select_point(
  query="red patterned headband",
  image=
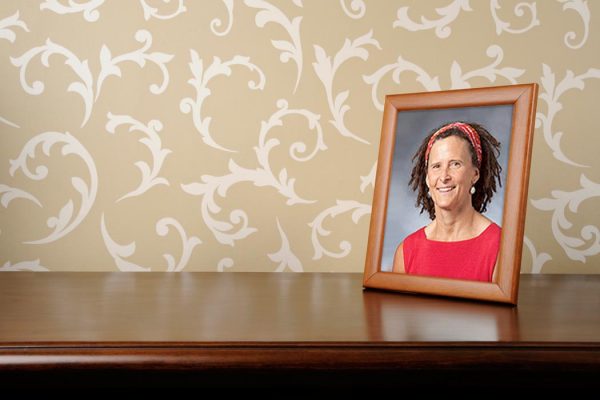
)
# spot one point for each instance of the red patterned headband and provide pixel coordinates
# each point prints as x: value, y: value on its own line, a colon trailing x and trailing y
x: 466, y: 129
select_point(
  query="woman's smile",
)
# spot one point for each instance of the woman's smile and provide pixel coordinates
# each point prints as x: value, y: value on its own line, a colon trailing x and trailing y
x: 446, y: 189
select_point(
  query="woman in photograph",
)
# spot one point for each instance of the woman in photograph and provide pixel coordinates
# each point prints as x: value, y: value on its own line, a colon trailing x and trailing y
x: 455, y: 173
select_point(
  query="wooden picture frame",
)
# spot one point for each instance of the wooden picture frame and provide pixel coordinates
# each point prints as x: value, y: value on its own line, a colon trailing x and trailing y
x: 509, y: 108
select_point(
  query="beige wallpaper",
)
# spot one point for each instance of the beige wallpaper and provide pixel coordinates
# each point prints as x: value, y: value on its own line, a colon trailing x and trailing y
x: 222, y: 135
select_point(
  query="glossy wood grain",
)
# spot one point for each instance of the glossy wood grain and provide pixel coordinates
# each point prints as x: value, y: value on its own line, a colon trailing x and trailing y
x: 226, y: 326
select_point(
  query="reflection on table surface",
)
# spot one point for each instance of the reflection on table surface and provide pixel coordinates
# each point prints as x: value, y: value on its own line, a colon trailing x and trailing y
x: 411, y: 318
x: 551, y: 308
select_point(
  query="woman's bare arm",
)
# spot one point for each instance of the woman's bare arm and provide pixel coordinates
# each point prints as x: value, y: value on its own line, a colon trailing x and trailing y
x: 495, y: 273
x: 399, y: 260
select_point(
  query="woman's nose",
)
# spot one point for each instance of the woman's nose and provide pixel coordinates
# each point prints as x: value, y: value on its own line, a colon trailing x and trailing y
x: 445, y: 174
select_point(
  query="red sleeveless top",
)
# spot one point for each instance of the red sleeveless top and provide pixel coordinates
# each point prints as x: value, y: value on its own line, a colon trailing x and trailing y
x: 472, y: 259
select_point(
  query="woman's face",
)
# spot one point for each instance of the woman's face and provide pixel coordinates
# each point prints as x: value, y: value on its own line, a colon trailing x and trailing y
x: 451, y: 174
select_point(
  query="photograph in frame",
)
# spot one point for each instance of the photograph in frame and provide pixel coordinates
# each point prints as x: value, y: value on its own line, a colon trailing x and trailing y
x: 498, y: 120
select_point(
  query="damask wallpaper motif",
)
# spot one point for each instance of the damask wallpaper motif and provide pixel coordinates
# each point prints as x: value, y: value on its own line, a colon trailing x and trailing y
x: 223, y: 135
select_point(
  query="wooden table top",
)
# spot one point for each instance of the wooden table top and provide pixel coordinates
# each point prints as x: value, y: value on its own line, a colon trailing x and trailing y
x: 207, y: 321
x: 267, y: 307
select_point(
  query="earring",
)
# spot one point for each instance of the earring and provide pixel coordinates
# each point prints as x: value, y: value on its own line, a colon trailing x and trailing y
x: 472, y: 190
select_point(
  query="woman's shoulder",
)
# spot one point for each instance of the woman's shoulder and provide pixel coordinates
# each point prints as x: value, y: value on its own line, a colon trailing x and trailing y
x: 417, y: 235
x: 493, y: 229
x: 494, y: 226
x: 487, y: 226
x: 491, y: 235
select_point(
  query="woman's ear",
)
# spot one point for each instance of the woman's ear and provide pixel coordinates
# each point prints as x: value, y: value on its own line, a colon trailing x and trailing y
x: 476, y: 177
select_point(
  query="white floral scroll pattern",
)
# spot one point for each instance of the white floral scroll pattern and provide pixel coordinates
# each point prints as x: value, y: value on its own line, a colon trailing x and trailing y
x: 120, y: 252
x: 224, y: 263
x: 8, y: 194
x: 342, y: 206
x: 538, y: 260
x: 200, y: 81
x: 7, y: 34
x: 289, y: 50
x: 81, y: 68
x: 24, y: 266
x: 503, y: 26
x: 581, y: 8
x: 576, y: 248
x: 139, y: 56
x: 551, y: 92
x: 459, y: 80
x: 369, y: 179
x: 188, y: 244
x: 108, y: 67
x: 65, y: 222
x: 401, y: 65
x: 237, y: 228
x: 490, y: 72
x: 447, y: 15
x: 90, y: 13
x: 153, y: 12
x: 326, y: 69
x: 216, y: 23
x: 285, y: 257
x: 9, y: 123
x: 12, y: 21
x: 150, y: 176
x: 297, y: 149
x: 357, y: 8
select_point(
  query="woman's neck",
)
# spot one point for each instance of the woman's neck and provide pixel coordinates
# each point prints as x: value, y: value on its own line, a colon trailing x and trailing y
x: 450, y: 226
